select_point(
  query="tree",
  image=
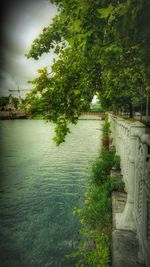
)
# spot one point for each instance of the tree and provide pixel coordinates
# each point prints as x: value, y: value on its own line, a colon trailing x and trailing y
x: 4, y: 100
x: 102, y: 47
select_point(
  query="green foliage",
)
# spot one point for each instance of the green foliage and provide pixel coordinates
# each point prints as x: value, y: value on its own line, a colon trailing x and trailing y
x: 97, y: 205
x: 102, y: 49
x: 4, y: 100
x: 15, y: 102
x: 96, y: 108
x: 94, y: 252
x: 61, y: 131
x: 95, y: 215
x: 106, y: 131
x: 106, y: 127
x: 102, y: 166
x: 117, y: 162
x: 117, y: 184
x: 106, y: 12
x: 36, y: 116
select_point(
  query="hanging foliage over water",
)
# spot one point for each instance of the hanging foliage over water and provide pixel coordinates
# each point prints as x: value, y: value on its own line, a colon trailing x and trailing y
x: 102, y: 49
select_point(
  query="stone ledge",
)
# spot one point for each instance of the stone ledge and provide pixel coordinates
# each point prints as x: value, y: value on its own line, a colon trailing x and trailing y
x: 124, y: 249
x: 118, y: 204
x: 125, y: 246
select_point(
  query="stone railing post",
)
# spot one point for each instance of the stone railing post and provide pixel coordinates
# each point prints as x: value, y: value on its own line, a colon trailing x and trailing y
x: 142, y: 197
x: 133, y: 146
x: 126, y: 220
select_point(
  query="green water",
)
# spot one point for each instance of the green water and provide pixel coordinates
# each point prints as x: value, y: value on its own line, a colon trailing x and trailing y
x: 40, y: 186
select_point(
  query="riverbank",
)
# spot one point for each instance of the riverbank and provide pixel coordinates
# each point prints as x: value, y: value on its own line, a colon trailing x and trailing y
x: 9, y: 115
x: 96, y: 214
x: 5, y: 115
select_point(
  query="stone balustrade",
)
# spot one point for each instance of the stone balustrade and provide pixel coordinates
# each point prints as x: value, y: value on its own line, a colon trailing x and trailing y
x: 133, y: 146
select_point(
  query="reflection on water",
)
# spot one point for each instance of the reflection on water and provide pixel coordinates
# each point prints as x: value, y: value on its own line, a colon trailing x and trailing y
x: 40, y: 186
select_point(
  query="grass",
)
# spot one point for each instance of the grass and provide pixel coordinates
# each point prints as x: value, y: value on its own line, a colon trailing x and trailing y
x: 95, y: 216
x: 37, y: 117
x: 132, y: 119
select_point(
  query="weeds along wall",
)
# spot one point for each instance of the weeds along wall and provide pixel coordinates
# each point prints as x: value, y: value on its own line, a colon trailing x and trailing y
x: 133, y: 146
x: 96, y: 213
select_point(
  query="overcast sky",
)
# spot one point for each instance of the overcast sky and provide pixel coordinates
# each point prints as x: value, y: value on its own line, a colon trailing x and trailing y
x: 22, y: 21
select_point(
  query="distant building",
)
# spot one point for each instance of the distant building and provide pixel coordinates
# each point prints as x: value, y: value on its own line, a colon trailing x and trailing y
x: 11, y: 104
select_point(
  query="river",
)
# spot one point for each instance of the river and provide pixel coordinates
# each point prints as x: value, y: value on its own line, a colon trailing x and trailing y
x: 40, y: 186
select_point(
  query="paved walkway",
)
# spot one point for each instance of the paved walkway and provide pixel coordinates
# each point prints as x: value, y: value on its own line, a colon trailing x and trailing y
x: 124, y: 243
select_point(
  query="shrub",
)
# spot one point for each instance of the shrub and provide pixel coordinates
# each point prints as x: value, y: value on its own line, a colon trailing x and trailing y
x: 102, y: 166
x: 117, y: 162
x: 106, y: 131
x: 95, y: 215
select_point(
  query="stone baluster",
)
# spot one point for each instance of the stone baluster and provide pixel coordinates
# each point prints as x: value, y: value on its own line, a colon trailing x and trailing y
x: 126, y: 220
x: 133, y: 147
x: 142, y: 197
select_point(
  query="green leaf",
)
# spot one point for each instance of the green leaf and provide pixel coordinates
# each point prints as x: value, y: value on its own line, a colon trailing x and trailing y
x: 105, y: 12
x: 76, y: 92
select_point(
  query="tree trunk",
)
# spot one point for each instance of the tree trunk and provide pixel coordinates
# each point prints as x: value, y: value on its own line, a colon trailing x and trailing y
x: 131, y: 110
x: 141, y: 111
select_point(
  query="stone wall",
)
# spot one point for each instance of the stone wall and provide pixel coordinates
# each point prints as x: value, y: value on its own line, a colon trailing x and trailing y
x: 132, y: 144
x: 17, y: 114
